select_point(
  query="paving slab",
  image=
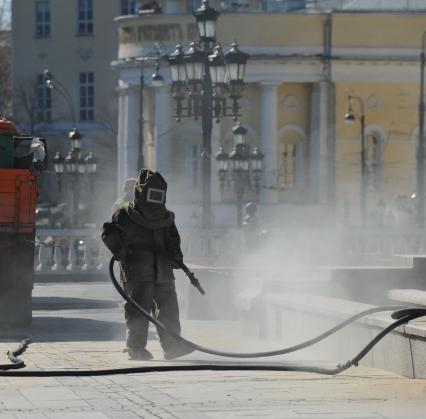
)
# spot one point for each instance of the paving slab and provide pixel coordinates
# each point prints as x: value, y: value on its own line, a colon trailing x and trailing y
x: 358, y: 393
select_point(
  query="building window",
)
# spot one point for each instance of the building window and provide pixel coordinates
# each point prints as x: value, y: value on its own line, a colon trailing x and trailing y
x: 42, y: 18
x: 286, y: 177
x: 290, y: 162
x: 374, y: 162
x: 85, y: 17
x: 44, y: 100
x: 128, y: 7
x: 87, y: 96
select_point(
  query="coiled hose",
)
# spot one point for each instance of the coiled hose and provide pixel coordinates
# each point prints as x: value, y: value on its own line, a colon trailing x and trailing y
x: 402, y: 315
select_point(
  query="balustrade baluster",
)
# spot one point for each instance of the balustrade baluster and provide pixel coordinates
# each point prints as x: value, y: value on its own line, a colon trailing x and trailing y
x: 72, y: 256
x: 37, y: 257
x: 57, y: 255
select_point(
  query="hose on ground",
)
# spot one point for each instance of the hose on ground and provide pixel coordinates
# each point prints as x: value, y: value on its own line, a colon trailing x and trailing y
x: 210, y: 351
x: 16, y: 363
x: 220, y: 367
x: 402, y: 315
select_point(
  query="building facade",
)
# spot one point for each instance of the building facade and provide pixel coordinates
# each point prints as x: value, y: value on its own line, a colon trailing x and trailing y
x: 306, y: 58
x: 76, y: 41
x: 304, y: 65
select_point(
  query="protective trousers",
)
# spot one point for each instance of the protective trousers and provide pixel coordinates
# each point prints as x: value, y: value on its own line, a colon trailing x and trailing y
x: 159, y: 298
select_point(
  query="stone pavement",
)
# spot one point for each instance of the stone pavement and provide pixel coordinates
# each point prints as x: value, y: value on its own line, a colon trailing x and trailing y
x: 80, y: 326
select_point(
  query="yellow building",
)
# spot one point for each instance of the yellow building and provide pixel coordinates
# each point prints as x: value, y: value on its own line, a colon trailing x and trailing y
x: 306, y: 58
x: 302, y: 69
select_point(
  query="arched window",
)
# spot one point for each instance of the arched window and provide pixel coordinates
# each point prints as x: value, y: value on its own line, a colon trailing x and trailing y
x: 290, y: 171
x: 374, y: 161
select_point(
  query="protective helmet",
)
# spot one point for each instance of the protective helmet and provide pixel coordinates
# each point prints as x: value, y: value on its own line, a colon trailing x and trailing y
x: 150, y: 194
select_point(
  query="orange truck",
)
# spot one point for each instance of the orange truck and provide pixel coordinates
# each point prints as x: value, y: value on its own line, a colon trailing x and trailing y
x: 18, y: 198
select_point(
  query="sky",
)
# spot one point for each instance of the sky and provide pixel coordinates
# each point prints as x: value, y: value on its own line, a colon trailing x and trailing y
x: 6, y: 6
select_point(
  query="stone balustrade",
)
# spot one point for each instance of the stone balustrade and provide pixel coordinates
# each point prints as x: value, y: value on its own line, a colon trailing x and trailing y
x: 81, y: 251
x: 69, y: 251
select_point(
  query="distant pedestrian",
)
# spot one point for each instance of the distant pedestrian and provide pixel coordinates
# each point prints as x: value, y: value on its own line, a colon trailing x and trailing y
x: 251, y: 229
x: 128, y: 193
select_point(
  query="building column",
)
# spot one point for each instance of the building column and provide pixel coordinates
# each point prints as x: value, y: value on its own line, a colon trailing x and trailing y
x: 269, y: 140
x: 163, y: 130
x: 121, y: 134
x: 319, y: 143
x: 128, y: 134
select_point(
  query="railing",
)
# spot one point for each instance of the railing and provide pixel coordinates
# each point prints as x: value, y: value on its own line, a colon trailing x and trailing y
x: 396, y: 5
x: 383, y: 243
x: 69, y: 251
x: 284, y: 6
x: 82, y: 252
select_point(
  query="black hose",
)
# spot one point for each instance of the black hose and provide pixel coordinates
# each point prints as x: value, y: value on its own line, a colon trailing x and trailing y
x: 403, y: 316
x: 218, y: 367
x: 16, y: 363
x: 277, y: 352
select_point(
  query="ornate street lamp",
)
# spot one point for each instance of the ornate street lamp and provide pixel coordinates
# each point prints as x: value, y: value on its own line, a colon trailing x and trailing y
x: 206, y: 18
x: 240, y: 159
x: 256, y: 159
x: 70, y: 163
x: 76, y: 139
x: 74, y: 166
x: 241, y: 168
x: 59, y: 168
x: 53, y: 83
x: 81, y: 165
x: 350, y: 119
x: 239, y: 132
x: 58, y: 163
x: 91, y: 163
x: 157, y: 79
x: 202, y: 78
x: 236, y: 62
x: 222, y: 160
x: 91, y: 167
x: 420, y: 186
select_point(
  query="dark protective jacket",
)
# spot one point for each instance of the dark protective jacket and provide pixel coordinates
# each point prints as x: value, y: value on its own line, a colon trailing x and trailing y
x: 147, y: 224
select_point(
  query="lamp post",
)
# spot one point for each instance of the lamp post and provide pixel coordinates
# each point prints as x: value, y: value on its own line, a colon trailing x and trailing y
x: 241, y: 167
x: 420, y: 195
x: 74, y: 166
x: 350, y: 119
x: 202, y: 77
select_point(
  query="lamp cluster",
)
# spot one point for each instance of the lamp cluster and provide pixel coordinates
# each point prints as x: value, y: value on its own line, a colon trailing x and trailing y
x: 242, y: 164
x: 74, y: 163
x: 205, y: 69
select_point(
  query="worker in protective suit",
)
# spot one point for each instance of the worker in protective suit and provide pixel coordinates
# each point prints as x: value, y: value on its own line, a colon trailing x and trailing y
x: 128, y: 188
x: 148, y: 276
